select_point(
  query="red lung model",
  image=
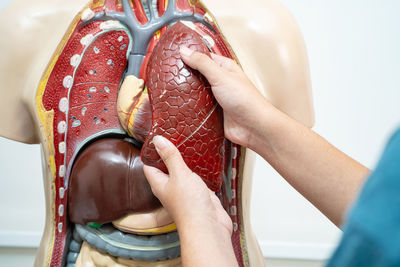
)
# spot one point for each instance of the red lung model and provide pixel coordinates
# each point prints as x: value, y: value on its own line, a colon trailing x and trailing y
x: 183, y: 108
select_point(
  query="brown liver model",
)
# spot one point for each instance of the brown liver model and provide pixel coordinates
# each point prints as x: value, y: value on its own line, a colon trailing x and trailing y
x: 107, y: 182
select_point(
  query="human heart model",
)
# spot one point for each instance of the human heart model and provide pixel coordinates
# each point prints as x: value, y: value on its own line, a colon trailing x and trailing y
x: 116, y: 81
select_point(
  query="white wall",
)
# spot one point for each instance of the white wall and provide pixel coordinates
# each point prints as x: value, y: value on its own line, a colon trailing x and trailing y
x: 355, y: 63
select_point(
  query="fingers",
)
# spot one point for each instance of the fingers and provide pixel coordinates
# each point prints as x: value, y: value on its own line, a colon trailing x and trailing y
x: 170, y: 155
x: 201, y: 62
x: 157, y: 180
x: 223, y: 217
x: 226, y: 63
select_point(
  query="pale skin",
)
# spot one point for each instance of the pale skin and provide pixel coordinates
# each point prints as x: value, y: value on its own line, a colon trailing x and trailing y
x: 327, y: 177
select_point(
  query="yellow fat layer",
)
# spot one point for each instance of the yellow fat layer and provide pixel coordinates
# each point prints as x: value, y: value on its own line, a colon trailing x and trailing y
x: 152, y: 231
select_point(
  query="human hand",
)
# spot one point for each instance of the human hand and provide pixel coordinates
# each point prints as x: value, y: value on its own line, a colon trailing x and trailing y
x: 183, y: 193
x: 240, y: 100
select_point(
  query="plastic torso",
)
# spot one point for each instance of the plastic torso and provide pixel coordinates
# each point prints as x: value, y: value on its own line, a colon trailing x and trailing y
x: 236, y: 22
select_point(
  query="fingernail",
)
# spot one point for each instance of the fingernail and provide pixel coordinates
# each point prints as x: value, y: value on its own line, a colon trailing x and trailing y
x: 159, y: 142
x: 185, y: 51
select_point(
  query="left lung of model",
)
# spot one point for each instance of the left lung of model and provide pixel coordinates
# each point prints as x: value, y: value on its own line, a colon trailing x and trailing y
x: 183, y: 108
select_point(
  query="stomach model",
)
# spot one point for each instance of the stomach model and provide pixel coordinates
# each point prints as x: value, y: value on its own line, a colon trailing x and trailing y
x: 116, y: 81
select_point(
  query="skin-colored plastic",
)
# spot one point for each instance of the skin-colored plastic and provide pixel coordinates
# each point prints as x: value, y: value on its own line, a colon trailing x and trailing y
x: 90, y: 256
x: 262, y: 33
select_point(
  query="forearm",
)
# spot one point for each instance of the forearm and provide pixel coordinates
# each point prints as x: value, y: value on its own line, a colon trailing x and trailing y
x: 323, y: 174
x: 205, y: 244
x: 327, y: 177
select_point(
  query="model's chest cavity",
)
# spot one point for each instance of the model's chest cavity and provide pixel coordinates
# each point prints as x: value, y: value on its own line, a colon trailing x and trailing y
x: 172, y: 100
x: 117, y: 82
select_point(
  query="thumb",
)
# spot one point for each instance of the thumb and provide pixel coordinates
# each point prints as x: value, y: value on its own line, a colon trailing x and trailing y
x: 170, y: 155
x: 203, y: 63
x: 157, y: 180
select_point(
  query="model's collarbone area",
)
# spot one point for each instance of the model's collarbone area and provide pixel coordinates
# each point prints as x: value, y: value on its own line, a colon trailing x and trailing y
x: 118, y: 82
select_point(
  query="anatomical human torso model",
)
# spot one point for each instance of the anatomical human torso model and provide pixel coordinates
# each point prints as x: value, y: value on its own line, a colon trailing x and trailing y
x: 116, y: 80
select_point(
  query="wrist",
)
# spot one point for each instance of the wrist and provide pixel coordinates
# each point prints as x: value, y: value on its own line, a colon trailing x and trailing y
x: 186, y: 226
x: 262, y: 126
x: 201, y: 237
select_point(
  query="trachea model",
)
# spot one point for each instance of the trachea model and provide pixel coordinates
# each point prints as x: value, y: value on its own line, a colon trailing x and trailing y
x: 115, y: 82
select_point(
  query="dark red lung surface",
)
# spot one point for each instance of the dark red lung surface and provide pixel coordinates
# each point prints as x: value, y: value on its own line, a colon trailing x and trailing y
x: 183, y: 107
x: 107, y: 182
